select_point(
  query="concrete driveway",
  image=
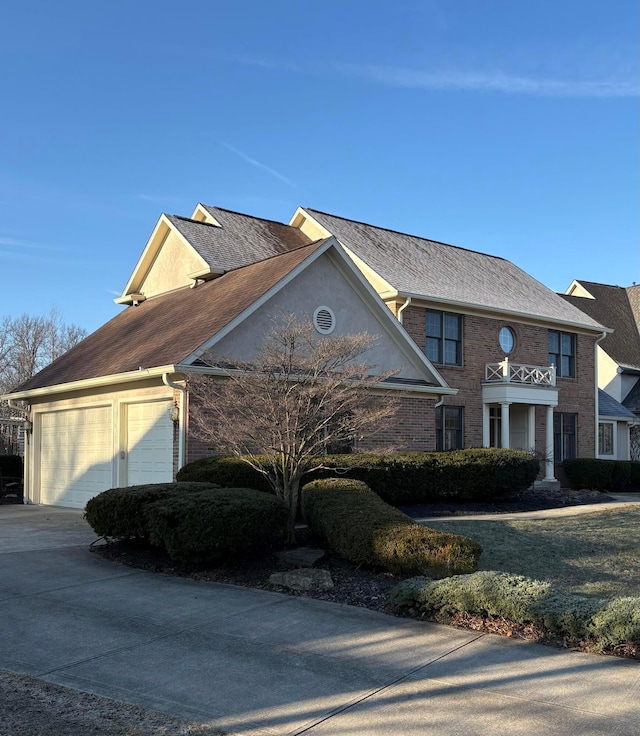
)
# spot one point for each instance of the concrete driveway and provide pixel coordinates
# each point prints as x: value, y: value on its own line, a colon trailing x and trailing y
x: 255, y: 662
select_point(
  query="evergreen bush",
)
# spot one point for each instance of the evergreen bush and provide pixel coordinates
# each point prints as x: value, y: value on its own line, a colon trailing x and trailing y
x: 358, y: 525
x: 215, y: 525
x: 119, y: 513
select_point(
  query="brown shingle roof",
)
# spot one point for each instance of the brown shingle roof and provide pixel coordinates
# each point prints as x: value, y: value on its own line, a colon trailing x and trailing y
x: 166, y: 329
x: 612, y: 308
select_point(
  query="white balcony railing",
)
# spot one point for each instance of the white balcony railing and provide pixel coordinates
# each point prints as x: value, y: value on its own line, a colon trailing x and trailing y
x: 507, y: 372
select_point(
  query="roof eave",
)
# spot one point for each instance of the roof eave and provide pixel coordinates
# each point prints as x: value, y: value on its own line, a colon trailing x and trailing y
x: 87, y: 383
x: 595, y: 328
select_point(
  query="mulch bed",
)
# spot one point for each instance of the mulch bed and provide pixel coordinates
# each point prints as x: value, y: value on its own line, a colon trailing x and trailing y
x: 358, y: 586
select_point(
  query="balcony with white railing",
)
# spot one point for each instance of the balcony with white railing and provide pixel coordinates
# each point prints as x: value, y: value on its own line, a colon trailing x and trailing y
x: 531, y: 375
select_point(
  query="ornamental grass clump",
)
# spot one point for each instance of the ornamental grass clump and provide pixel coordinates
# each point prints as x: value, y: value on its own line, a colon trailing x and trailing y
x: 356, y: 524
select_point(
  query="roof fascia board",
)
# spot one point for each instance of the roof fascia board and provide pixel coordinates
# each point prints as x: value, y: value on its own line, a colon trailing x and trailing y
x: 493, y: 312
x: 158, y: 238
x: 202, y: 214
x: 301, y: 215
x: 87, y: 383
x: 576, y: 285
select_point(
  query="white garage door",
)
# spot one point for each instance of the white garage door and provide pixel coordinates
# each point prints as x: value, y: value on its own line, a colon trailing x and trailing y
x: 76, y: 455
x: 149, y: 443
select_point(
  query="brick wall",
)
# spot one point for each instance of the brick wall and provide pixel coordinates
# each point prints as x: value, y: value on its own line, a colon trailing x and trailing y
x: 414, y: 426
x: 480, y: 346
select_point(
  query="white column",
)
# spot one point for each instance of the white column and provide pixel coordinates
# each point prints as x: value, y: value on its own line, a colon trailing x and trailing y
x: 486, y: 434
x: 548, y: 450
x: 531, y: 431
x: 504, y: 421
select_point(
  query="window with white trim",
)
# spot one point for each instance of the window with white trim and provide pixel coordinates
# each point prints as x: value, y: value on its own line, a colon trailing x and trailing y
x: 606, y: 444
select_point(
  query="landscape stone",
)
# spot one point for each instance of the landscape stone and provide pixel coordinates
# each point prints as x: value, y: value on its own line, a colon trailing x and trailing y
x: 305, y: 578
x: 301, y: 556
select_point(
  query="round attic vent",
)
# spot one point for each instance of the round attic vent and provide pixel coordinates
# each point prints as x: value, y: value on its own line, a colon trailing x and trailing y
x: 324, y: 320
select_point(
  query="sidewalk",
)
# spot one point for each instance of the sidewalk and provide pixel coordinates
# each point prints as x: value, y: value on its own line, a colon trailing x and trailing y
x: 256, y: 662
x: 621, y: 501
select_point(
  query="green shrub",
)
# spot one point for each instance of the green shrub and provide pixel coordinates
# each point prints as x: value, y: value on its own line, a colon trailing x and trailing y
x: 215, y: 525
x: 119, y: 512
x: 617, y: 623
x: 225, y: 471
x: 604, y: 624
x: 11, y: 466
x: 399, y: 478
x: 423, y: 477
x: 602, y: 475
x: 359, y: 526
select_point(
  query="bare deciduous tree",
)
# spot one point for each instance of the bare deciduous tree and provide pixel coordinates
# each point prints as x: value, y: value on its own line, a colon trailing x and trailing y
x: 29, y: 343
x: 299, y: 395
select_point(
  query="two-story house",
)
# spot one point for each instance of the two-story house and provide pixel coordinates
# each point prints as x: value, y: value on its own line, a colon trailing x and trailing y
x: 618, y: 364
x: 485, y: 354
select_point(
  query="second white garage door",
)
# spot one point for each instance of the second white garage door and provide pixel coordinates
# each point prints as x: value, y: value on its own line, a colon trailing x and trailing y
x: 149, y: 443
x: 75, y: 455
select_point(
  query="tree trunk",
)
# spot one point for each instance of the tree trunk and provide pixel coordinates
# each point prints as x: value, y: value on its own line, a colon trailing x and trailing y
x: 291, y: 496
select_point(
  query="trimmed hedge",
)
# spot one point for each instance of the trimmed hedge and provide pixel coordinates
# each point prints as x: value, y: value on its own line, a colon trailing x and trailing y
x: 214, y: 525
x: 604, y: 624
x: 119, y: 513
x: 228, y: 471
x: 423, y: 477
x: 602, y: 475
x: 401, y: 478
x: 11, y: 466
x: 359, y: 526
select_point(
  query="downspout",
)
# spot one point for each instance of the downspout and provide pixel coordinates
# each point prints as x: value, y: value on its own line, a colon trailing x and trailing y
x: 407, y: 302
x: 26, y: 490
x: 182, y: 429
x: 597, y: 428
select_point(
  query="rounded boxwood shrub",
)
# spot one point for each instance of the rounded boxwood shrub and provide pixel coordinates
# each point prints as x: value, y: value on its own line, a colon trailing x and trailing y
x: 226, y: 471
x: 215, y: 525
x: 359, y: 526
x: 119, y: 512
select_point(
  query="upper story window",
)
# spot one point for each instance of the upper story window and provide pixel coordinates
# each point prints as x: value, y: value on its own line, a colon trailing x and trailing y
x: 444, y: 337
x: 507, y: 340
x: 562, y: 353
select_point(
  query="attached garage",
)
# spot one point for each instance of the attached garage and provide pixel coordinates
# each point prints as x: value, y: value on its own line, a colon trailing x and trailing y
x: 84, y: 442
x: 76, y: 455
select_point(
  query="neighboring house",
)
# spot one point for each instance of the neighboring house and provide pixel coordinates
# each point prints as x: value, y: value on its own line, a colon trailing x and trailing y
x: 618, y: 363
x: 487, y: 356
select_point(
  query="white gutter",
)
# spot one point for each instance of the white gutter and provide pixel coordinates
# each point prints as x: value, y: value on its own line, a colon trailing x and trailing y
x: 85, y: 383
x: 407, y: 302
x: 182, y: 425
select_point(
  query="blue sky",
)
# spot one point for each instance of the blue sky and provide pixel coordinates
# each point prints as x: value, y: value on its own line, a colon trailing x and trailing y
x: 505, y: 127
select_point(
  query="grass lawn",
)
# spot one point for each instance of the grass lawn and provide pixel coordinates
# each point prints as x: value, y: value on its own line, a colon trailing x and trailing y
x: 597, y: 553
